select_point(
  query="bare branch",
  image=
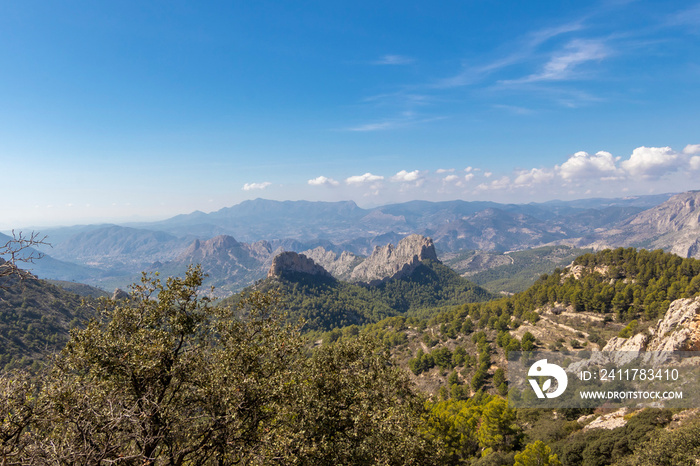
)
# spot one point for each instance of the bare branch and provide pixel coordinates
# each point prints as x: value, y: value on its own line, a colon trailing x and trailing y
x: 18, y: 250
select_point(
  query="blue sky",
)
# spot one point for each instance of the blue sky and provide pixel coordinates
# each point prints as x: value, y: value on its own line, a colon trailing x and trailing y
x: 118, y: 111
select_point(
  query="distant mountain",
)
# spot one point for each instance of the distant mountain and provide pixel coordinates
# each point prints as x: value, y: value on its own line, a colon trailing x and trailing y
x: 308, y: 291
x: 112, y: 255
x: 114, y: 246
x: 453, y: 225
x: 673, y: 226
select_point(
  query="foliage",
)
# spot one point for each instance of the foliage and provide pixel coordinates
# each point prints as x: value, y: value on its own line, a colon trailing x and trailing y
x: 354, y: 406
x: 35, y: 318
x: 478, y: 426
x: 537, y: 454
x: 164, y: 377
x: 525, y: 268
x: 325, y: 303
x: 678, y: 447
x: 602, y: 447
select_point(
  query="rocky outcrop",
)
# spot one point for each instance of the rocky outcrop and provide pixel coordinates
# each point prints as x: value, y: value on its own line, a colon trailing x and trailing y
x: 391, y: 262
x: 340, y: 266
x: 296, y: 263
x: 673, y: 226
x: 678, y: 330
x: 119, y: 295
x: 607, y: 421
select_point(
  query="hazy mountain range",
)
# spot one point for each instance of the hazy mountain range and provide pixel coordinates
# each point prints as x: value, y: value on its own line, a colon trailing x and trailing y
x: 237, y: 244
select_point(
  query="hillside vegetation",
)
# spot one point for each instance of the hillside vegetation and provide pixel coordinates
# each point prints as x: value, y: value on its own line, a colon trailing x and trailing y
x: 408, y: 372
x: 35, y: 318
x: 325, y: 303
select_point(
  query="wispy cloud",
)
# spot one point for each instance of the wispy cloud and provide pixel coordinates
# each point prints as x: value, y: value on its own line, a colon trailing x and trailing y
x: 378, y: 126
x: 405, y: 119
x: 563, y: 63
x: 394, y: 60
x: 688, y: 17
x: 525, y: 51
x: 252, y: 186
x: 514, y: 109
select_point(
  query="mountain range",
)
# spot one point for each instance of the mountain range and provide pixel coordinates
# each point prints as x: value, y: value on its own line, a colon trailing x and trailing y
x: 236, y: 244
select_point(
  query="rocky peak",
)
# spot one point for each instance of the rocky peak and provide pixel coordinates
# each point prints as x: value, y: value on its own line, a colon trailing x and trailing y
x: 293, y: 262
x: 677, y: 330
x: 339, y: 266
x: 389, y: 262
x: 119, y: 295
x: 673, y: 226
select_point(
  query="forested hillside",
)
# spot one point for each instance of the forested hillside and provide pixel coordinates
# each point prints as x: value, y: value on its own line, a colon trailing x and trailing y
x: 408, y: 372
x: 459, y: 355
x: 326, y: 303
x: 35, y: 318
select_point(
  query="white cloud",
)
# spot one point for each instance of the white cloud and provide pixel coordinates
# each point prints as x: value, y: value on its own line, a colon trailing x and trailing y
x: 563, y: 64
x: 582, y: 165
x: 468, y: 176
x: 488, y: 174
x: 694, y: 162
x: 322, y: 180
x: 394, y: 60
x: 251, y: 186
x: 374, y: 126
x: 692, y: 149
x: 444, y: 170
x: 501, y: 183
x: 450, y: 179
x: 403, y: 175
x: 366, y: 178
x: 533, y: 177
x: 652, y: 162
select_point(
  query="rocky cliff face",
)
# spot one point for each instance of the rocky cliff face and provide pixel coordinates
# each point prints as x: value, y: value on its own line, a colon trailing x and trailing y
x: 385, y: 263
x: 391, y: 262
x: 673, y: 226
x: 678, y: 330
x: 297, y: 263
x: 340, y: 266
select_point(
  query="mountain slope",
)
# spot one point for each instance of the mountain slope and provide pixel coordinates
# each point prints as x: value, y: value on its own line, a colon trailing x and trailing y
x: 673, y: 226
x: 311, y: 293
x: 35, y: 318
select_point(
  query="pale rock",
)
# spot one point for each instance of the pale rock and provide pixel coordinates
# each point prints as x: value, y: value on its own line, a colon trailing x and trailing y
x: 293, y: 262
x: 391, y: 262
x: 119, y: 294
x: 609, y: 421
x: 339, y: 266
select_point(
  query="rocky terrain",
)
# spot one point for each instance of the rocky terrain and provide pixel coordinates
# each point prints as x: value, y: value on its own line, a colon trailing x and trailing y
x: 291, y: 262
x: 677, y: 330
x: 385, y: 263
x: 338, y: 235
x: 673, y: 226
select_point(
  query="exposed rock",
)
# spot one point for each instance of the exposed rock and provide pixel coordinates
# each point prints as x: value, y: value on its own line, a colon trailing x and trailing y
x: 677, y: 330
x: 120, y: 294
x: 340, y: 266
x: 293, y: 262
x: 609, y: 421
x: 391, y: 262
x: 673, y: 226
